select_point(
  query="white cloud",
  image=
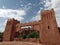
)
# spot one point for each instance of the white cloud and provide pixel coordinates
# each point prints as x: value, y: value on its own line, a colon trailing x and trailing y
x: 3, y: 7
x: 10, y: 13
x: 2, y: 26
x: 47, y: 3
x: 21, y: 5
x: 58, y: 21
x: 41, y: 8
x: 27, y: 7
x: 29, y: 3
x: 1, y: 29
x: 53, y: 4
x: 37, y: 17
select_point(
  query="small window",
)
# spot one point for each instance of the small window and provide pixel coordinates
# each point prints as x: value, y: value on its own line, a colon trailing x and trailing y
x: 48, y: 27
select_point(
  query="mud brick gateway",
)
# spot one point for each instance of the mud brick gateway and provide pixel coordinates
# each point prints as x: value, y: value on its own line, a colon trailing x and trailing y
x: 47, y: 27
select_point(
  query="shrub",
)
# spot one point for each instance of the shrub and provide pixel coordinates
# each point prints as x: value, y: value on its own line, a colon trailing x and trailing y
x: 22, y: 36
x: 33, y: 34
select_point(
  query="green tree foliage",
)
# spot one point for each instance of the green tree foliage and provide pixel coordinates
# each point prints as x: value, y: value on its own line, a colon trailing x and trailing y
x: 22, y: 36
x: 33, y: 34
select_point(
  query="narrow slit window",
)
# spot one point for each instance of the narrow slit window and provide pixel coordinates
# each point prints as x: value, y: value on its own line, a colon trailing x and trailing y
x: 48, y: 27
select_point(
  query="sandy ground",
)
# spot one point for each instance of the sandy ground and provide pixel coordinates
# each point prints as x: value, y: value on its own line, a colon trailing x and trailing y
x: 24, y: 43
x: 19, y: 43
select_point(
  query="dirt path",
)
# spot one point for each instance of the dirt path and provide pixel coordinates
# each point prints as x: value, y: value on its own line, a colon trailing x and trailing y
x: 18, y: 43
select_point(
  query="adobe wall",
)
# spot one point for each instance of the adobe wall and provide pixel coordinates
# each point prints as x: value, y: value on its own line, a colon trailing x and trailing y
x: 49, y: 32
x: 18, y: 27
x: 10, y: 30
x: 47, y: 27
x: 35, y: 25
x: 14, y: 26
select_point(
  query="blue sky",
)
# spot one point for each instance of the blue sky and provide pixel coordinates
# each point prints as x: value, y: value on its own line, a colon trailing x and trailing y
x: 26, y: 10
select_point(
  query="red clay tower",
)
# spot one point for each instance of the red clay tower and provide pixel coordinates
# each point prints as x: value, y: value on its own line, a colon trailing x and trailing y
x: 49, y: 30
x: 10, y: 30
